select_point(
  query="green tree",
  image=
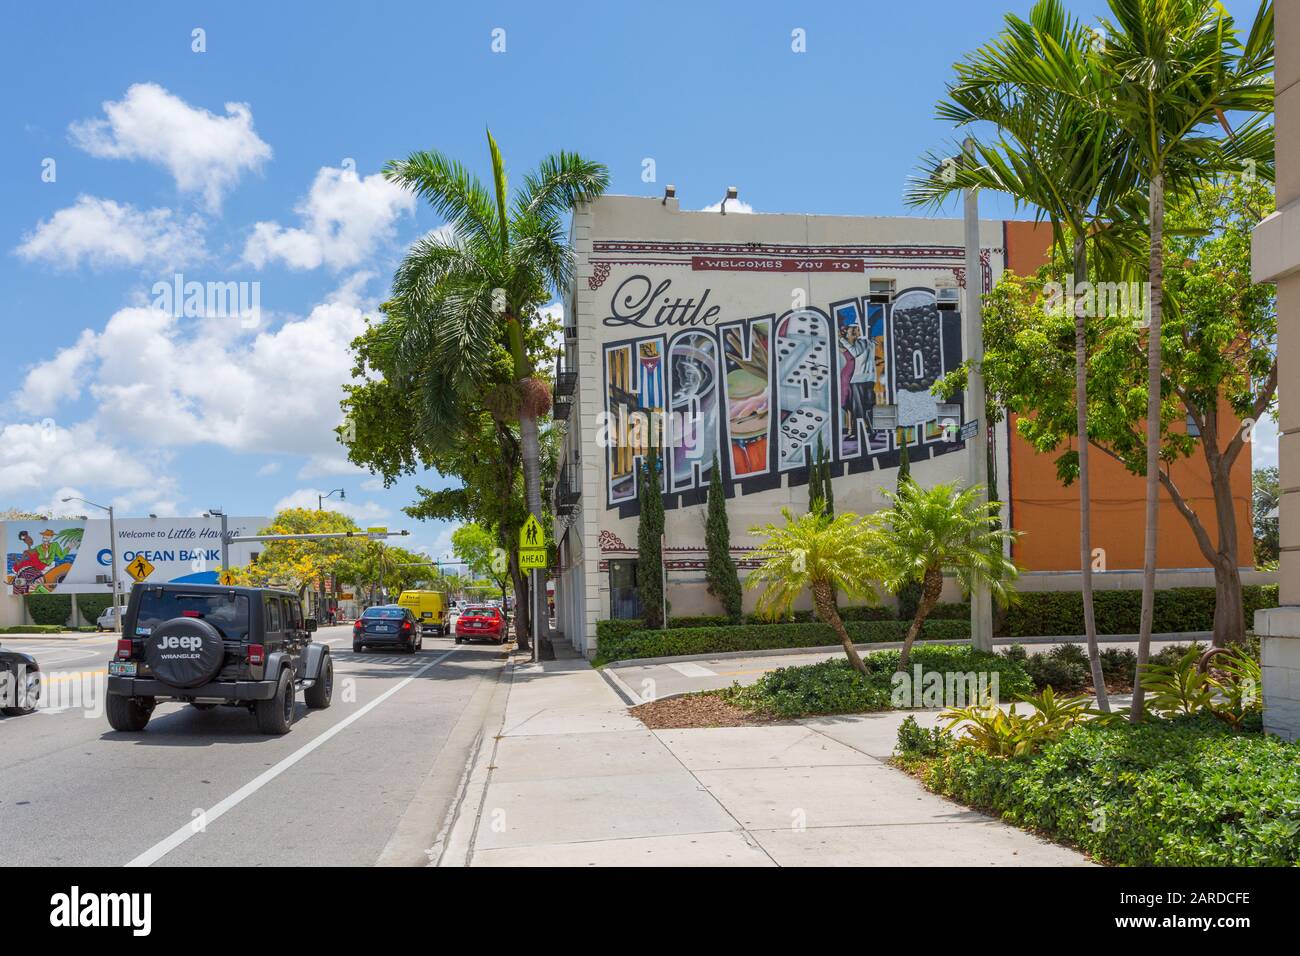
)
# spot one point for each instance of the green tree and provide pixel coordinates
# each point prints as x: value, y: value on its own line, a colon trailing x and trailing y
x: 1055, y: 150
x: 944, y: 529
x: 472, y: 291
x: 720, y: 568
x: 818, y: 553
x: 1266, y: 493
x: 1178, y: 67
x: 300, y: 565
x: 649, y: 542
x: 480, y: 549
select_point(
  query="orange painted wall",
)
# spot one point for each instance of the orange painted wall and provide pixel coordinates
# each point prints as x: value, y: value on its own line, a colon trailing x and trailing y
x: 1047, y: 513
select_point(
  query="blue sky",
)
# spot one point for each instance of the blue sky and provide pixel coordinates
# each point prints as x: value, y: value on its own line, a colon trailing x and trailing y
x: 256, y: 161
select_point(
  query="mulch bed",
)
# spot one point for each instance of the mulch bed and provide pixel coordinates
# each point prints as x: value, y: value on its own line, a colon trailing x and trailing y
x: 696, y: 710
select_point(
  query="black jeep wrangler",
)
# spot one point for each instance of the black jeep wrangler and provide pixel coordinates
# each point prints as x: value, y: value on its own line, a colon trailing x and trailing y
x: 208, y: 644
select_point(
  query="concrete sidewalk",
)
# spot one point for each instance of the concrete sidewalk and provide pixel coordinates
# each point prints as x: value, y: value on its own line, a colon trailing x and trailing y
x: 573, y: 780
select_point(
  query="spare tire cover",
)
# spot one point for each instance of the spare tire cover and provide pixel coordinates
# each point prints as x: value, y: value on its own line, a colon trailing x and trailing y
x: 184, y: 652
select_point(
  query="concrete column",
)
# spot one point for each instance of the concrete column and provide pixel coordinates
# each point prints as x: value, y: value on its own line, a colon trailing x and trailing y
x: 1275, y: 253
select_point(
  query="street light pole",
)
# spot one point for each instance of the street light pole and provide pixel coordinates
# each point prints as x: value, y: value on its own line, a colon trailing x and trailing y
x: 225, y: 545
x: 112, y: 551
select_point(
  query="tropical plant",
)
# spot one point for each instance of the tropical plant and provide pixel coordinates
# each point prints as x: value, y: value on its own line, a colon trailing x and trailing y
x: 720, y: 567
x: 1187, y: 686
x: 1176, y: 68
x: 1055, y: 152
x: 817, y: 553
x: 944, y: 529
x: 1006, y: 733
x: 472, y: 292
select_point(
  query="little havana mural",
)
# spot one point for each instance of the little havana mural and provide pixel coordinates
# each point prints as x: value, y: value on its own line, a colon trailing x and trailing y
x: 765, y: 393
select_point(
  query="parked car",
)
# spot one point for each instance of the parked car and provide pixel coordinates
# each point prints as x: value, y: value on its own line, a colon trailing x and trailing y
x: 209, y: 644
x: 388, y: 625
x: 107, y: 620
x: 481, y: 622
x: 429, y: 608
x: 20, y: 683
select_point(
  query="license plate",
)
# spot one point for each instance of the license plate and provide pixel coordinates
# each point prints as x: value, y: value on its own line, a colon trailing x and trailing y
x: 382, y: 630
x: 475, y: 623
x: 121, y: 668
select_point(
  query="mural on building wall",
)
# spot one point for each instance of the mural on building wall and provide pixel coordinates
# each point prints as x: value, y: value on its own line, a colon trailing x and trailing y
x: 862, y: 375
x: 693, y: 372
x: 762, y: 391
x: 748, y: 384
x: 635, y: 389
x: 803, y: 357
x: 38, y: 557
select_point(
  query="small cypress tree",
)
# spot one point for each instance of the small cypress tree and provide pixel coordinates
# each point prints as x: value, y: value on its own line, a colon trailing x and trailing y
x: 909, y: 595
x: 649, y: 544
x: 720, y: 569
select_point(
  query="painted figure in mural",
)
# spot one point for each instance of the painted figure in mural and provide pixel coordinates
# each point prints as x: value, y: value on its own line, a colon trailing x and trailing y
x: 29, y: 557
x: 38, y: 568
x: 748, y: 397
x: 637, y: 406
x: 857, y: 380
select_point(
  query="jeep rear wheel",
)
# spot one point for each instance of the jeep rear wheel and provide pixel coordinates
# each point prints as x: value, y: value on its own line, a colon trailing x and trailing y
x: 275, y: 716
x: 319, y: 694
x: 128, y: 713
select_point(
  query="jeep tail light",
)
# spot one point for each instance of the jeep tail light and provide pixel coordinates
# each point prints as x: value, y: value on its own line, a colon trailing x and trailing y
x: 125, y: 648
x: 191, y: 614
x: 256, y: 654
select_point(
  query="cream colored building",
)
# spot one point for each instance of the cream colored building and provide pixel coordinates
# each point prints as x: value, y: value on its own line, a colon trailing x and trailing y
x: 752, y: 337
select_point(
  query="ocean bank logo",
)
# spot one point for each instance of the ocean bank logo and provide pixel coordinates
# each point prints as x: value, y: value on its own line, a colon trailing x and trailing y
x: 76, y: 909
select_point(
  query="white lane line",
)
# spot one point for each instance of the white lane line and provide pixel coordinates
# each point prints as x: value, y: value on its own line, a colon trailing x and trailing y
x: 692, y: 670
x: 163, y: 847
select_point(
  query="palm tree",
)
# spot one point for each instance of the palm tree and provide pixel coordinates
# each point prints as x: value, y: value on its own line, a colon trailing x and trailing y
x: 818, y: 553
x: 1174, y: 69
x: 472, y: 291
x: 932, y: 531
x: 1056, y: 152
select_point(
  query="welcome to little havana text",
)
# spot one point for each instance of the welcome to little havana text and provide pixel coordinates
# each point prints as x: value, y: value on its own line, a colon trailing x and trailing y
x: 1176, y: 897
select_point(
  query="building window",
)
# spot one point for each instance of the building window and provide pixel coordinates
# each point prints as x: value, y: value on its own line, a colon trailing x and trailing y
x: 624, y: 600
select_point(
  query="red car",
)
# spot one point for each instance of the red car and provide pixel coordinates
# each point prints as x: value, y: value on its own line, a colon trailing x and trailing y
x: 481, y: 622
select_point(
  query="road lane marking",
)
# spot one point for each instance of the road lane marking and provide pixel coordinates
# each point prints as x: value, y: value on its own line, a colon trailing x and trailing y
x: 165, y: 846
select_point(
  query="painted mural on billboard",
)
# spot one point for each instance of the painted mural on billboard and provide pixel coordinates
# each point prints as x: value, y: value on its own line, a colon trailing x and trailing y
x: 44, y: 556
x: 38, y: 557
x: 765, y: 392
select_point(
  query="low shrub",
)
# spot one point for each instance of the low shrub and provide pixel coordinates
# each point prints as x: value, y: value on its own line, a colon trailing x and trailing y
x: 1187, y: 792
x: 1118, y: 665
x: 1063, y: 668
x: 916, y: 741
x: 32, y: 629
x: 1047, y: 613
x: 950, y: 611
x: 834, y: 687
x: 51, y: 609
x: 617, y: 644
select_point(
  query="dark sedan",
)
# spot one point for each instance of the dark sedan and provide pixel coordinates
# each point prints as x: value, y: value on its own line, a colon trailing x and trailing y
x: 20, y: 683
x: 387, y: 626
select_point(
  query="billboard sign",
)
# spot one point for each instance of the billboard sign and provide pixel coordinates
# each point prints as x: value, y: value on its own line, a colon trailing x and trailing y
x: 73, y: 556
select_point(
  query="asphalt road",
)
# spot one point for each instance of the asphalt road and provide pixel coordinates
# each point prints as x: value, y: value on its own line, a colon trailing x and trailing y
x: 348, y: 785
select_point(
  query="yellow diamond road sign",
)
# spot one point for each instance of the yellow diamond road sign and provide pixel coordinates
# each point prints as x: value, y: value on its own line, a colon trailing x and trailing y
x: 140, y: 567
x: 532, y: 558
x: 227, y: 577
x: 531, y: 535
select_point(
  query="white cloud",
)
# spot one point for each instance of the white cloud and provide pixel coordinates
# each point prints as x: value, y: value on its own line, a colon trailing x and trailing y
x: 270, y: 468
x: 104, y: 233
x: 36, y: 455
x: 160, y: 381
x: 344, y: 217
x: 733, y: 205
x: 307, y: 498
x: 204, y: 152
x: 326, y: 465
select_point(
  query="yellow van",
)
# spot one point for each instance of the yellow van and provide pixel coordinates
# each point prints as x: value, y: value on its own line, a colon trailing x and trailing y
x: 429, y: 608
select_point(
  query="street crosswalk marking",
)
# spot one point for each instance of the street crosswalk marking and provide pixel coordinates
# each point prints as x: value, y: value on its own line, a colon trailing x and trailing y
x: 688, y: 669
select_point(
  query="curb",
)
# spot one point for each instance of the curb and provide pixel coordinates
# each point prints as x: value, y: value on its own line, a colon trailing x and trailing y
x: 895, y: 645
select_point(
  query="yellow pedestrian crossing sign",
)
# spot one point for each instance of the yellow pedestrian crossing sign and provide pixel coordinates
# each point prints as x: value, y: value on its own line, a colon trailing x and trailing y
x: 531, y: 535
x: 227, y: 577
x: 140, y: 567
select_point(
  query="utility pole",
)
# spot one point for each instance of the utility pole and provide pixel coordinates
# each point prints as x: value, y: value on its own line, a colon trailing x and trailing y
x: 225, y: 544
x: 112, y: 549
x: 977, y: 472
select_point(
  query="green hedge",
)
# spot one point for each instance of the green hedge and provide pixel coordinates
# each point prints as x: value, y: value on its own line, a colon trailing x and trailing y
x: 1187, y: 792
x: 616, y: 644
x: 53, y: 609
x: 32, y: 629
x: 93, y: 605
x: 1045, y: 613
